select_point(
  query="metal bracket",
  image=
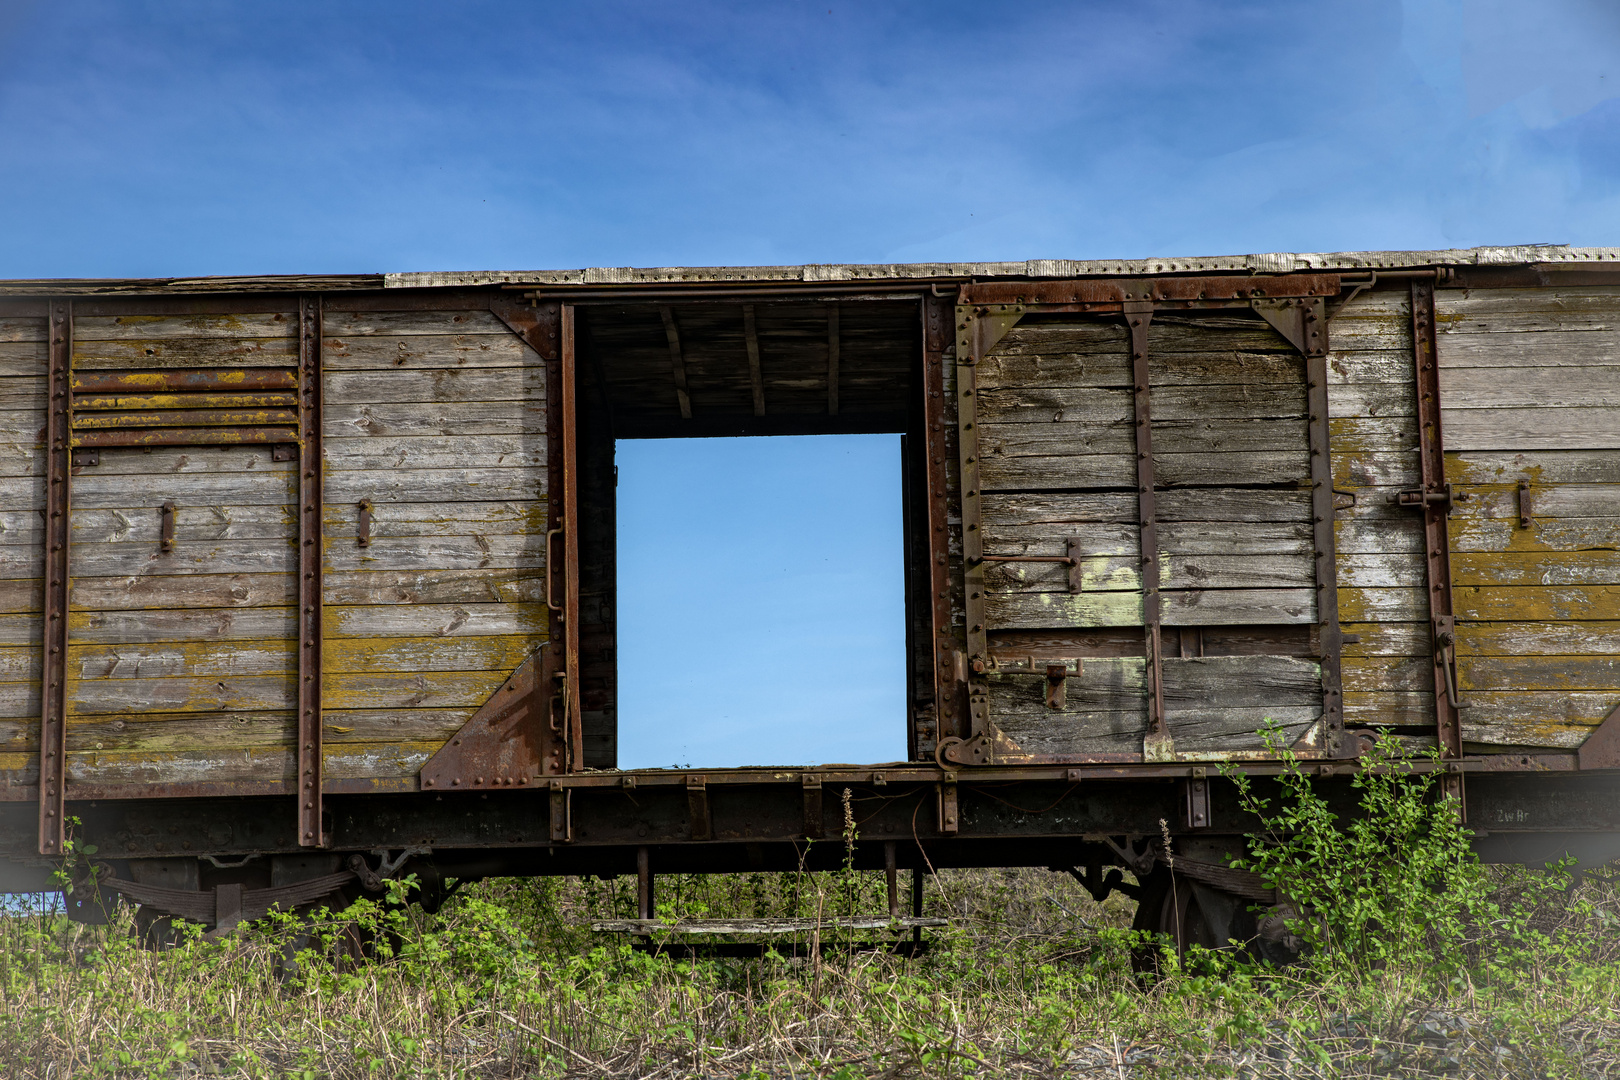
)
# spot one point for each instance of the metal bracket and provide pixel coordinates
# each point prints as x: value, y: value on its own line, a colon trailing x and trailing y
x: 1418, y: 499
x: 311, y: 831
x: 1444, y: 631
x: 1526, y: 512
x: 562, y: 813
x: 58, y: 533
x: 166, y: 528
x: 697, y: 807
x: 1601, y: 750
x: 1303, y: 321
x: 949, y: 815
x: 1057, y: 682
x: 362, y: 532
x: 1195, y: 793
x: 501, y: 745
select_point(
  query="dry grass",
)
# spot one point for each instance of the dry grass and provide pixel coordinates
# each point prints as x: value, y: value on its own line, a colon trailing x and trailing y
x: 1031, y: 979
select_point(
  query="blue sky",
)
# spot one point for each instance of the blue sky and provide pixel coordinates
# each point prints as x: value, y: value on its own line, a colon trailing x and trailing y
x: 147, y: 139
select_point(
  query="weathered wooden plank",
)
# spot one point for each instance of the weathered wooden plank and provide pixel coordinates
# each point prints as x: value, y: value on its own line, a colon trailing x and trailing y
x: 260, y: 590
x: 1539, y: 467
x: 1176, y: 571
x: 1544, y: 535
x: 183, y: 352
x: 1387, y: 639
x: 1532, y: 429
x: 1536, y: 603
x: 105, y: 768
x: 145, y: 557
x: 1210, y: 607
x: 1589, y: 567
x: 1373, y: 399
x: 23, y: 427
x: 1041, y: 405
x: 248, y: 624
x: 1384, y: 673
x: 1538, y: 638
x: 1377, y: 475
x: 23, y: 358
x: 1538, y: 672
x: 1384, y: 570
x: 168, y: 732
x: 1530, y: 387
x: 522, y: 417
x: 139, y: 328
x: 1383, y: 605
x: 435, y: 452
x: 1118, y: 437
x: 1389, y: 708
x: 18, y: 663
x: 1171, y: 470
x: 198, y: 660
x: 235, y: 693
x: 1214, y: 504
x: 440, y: 385
x: 411, y: 351
x: 270, y: 485
x: 1176, y: 538
x: 20, y: 629
x: 20, y: 698
x: 1547, y: 349
x: 22, y: 392
x: 1563, y: 305
x: 450, y: 485
x: 13, y: 328
x: 346, y: 325
x: 1535, y: 718
x: 1217, y: 732
x: 1391, y: 366
x: 1226, y: 682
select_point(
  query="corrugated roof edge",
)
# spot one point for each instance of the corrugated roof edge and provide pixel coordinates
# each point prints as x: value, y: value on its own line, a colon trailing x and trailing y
x: 1265, y: 263
x: 1268, y: 263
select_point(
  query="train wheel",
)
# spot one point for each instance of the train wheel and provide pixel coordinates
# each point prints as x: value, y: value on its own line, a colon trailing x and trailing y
x: 1170, y: 911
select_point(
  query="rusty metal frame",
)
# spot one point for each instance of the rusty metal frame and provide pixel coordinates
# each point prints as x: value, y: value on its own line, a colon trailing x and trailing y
x: 1314, y: 344
x: 572, y: 721
x: 1435, y: 502
x: 936, y: 521
x: 1158, y: 744
x: 311, y: 467
x: 58, y: 540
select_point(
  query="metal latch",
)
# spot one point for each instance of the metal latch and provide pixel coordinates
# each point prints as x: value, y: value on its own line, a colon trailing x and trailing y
x: 1071, y: 560
x: 1418, y: 499
x: 1445, y: 656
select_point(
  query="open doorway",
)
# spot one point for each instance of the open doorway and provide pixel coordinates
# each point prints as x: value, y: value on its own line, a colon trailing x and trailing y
x: 747, y: 593
x: 761, y: 601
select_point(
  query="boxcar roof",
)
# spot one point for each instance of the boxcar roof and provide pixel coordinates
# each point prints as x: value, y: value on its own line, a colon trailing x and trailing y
x: 1268, y: 263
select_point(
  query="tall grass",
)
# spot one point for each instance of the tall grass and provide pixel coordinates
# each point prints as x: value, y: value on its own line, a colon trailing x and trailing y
x: 1032, y: 977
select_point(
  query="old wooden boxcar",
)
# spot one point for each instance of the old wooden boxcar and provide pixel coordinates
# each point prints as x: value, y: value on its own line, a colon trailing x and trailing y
x: 310, y: 580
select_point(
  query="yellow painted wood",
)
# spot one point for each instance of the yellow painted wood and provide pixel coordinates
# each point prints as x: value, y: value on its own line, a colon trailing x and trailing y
x: 1536, y: 603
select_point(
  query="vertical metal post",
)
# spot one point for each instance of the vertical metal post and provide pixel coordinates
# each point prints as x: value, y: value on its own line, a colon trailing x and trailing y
x: 1436, y: 507
x: 310, y: 497
x: 916, y: 904
x: 58, y: 539
x: 1329, y: 635
x: 570, y: 536
x: 644, y: 884
x: 891, y: 874
x: 968, y: 338
x: 947, y: 690
x: 1158, y: 744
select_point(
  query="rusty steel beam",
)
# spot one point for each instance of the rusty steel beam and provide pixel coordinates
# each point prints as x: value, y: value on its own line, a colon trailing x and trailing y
x: 58, y: 536
x: 186, y: 418
x: 210, y: 379
x: 192, y: 400
x: 1158, y: 744
x: 225, y: 436
x: 310, y: 498
x: 936, y: 313
x: 1435, y: 504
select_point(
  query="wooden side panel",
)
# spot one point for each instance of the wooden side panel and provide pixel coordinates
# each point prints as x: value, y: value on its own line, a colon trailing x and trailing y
x: 1231, y: 458
x: 23, y: 369
x: 1528, y: 382
x: 1373, y: 436
x: 458, y: 511
x: 182, y: 666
